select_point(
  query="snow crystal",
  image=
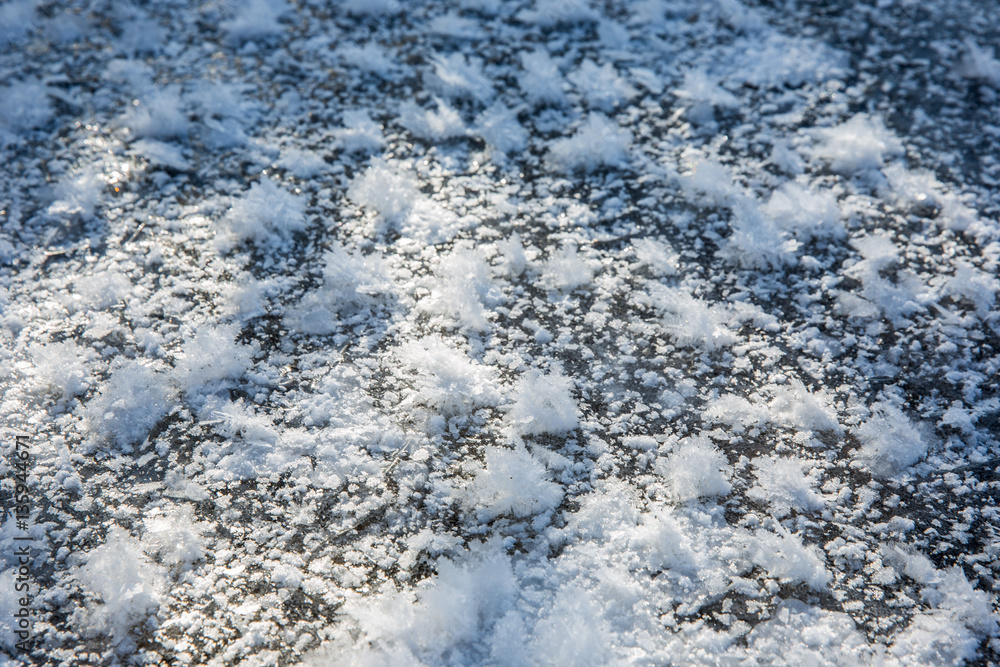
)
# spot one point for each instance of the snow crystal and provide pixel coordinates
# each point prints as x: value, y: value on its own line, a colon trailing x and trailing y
x: 133, y: 399
x: 463, y: 290
x: 541, y: 81
x: 255, y: 19
x: 543, y: 404
x: 78, y: 193
x: 24, y: 105
x: 371, y: 7
x: 805, y: 213
x: 890, y: 442
x: 161, y: 154
x: 601, y: 86
x: 785, y: 557
x: 352, y: 282
x: 980, y: 63
x: 302, y: 163
x: 174, y: 535
x: 388, y: 190
x: 657, y: 255
x: 705, y: 95
x: 128, y: 586
x: 795, y: 406
x: 782, y: 483
x: 457, y: 76
x: 690, y: 321
x: 696, y: 469
x: 445, y: 378
x: 211, y: 356
x: 160, y: 114
x: 513, y: 483
x: 266, y: 215
x: 598, y: 142
x: 62, y: 366
x: 444, y: 123
x: 360, y: 134
x: 566, y: 269
x: 499, y: 127
x: 859, y: 144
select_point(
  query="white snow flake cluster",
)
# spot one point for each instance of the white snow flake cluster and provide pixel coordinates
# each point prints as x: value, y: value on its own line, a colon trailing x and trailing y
x: 500, y: 332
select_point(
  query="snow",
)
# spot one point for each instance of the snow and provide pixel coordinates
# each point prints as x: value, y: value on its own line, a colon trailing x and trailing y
x: 523, y: 333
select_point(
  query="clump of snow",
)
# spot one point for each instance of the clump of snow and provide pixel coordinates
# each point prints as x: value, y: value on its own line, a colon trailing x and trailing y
x: 62, y: 366
x: 540, y: 79
x: 211, y: 356
x: 160, y: 114
x: 783, y: 556
x: 445, y: 378
x: 24, y: 105
x: 352, y: 283
x: 977, y: 286
x: 601, y: 86
x: 371, y: 57
x: 543, y: 403
x: 980, y: 63
x: 657, y: 255
x: 161, y: 154
x: 255, y: 20
x: 133, y: 399
x: 463, y: 289
x: 266, y: 215
x: 782, y: 483
x: 896, y: 299
x: 370, y: 7
x: 455, y: 26
x: 444, y: 123
x: 128, y: 586
x: 805, y: 213
x: 550, y: 13
x: 859, y: 144
x: 696, y: 469
x: 459, y: 76
x: 360, y: 134
x: 566, y: 269
x: 795, y: 406
x: 890, y: 442
x: 921, y: 189
x: 499, y: 127
x: 736, y: 412
x: 103, y: 289
x: 805, y: 635
x: 78, y: 193
x: 302, y: 163
x: 513, y: 483
x: 173, y: 534
x: 598, y: 142
x: 690, y: 321
x: 705, y: 95
x: 388, y: 190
